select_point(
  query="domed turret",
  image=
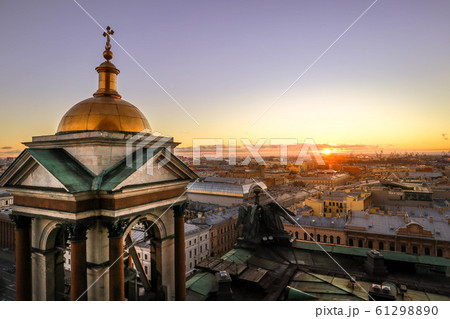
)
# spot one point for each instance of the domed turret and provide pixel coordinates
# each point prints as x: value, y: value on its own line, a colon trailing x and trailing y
x: 106, y: 111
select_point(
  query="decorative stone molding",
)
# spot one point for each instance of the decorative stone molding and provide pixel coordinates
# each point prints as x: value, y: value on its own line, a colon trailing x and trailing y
x: 117, y: 228
x: 179, y: 210
x: 77, y: 231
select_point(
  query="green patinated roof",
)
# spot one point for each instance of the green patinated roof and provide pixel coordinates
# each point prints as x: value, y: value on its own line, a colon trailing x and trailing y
x: 201, y: 283
x: 77, y: 178
x: 112, y: 177
x: 71, y: 173
x: 237, y: 255
x: 388, y: 255
x: 295, y: 294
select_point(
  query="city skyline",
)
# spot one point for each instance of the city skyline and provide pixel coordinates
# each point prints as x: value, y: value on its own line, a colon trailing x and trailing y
x: 383, y: 85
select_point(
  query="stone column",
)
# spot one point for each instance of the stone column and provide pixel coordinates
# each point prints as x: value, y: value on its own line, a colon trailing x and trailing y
x: 23, y: 257
x: 180, y: 255
x: 78, y: 274
x: 97, y: 257
x: 116, y: 270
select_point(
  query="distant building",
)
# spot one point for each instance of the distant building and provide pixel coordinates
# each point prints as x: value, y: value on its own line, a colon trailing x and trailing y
x: 396, y: 192
x: 6, y: 200
x: 223, y: 234
x: 337, y: 204
x: 412, y: 230
x: 223, y: 191
x: 327, y: 179
x: 197, y: 245
x: 6, y: 225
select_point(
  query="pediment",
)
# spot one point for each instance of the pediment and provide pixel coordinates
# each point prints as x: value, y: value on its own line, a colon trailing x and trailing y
x: 40, y: 177
x: 414, y: 229
x: 47, y: 168
x: 144, y: 167
x: 150, y: 172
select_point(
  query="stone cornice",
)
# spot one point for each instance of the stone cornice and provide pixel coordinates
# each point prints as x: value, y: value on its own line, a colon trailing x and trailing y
x: 125, y: 212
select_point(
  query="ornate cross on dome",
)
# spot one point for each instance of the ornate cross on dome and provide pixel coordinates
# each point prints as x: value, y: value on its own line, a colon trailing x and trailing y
x: 106, y: 34
x: 107, y: 54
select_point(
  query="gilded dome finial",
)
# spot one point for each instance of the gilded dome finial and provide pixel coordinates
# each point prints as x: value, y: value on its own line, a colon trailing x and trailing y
x: 107, y: 54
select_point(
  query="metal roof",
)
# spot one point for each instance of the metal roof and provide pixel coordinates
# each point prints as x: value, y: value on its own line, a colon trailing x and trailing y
x: 389, y: 224
x: 70, y: 172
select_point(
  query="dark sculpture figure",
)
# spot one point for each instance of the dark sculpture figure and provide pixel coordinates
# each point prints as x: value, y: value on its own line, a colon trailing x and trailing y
x: 263, y: 223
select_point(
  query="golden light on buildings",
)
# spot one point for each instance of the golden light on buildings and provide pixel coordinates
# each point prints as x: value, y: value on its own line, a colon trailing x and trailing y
x: 106, y: 111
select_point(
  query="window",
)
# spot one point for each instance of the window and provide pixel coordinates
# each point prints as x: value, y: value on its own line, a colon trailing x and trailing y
x: 338, y: 240
x: 146, y: 269
x: 190, y: 254
x: 311, y: 236
x: 439, y: 252
x: 391, y: 247
x: 332, y: 239
x: 415, y: 250
x: 195, y: 252
x: 296, y: 235
x: 305, y: 236
x: 370, y: 244
x: 206, y: 236
x: 189, y: 243
x: 324, y: 210
x: 190, y: 265
x: 139, y: 255
x: 195, y: 241
x: 381, y: 246
x: 201, y: 249
x: 403, y: 249
x: 350, y: 242
x: 318, y: 238
x: 360, y: 243
x: 324, y: 238
x: 145, y: 256
x: 427, y: 251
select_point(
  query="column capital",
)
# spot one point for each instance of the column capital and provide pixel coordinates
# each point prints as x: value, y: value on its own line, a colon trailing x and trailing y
x: 77, y: 231
x: 179, y: 210
x: 116, y: 228
x: 22, y: 222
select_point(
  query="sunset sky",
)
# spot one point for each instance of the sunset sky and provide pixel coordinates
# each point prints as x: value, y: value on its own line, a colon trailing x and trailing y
x: 384, y: 84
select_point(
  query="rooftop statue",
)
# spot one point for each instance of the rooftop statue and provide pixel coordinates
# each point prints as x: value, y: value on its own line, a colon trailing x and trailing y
x: 263, y: 223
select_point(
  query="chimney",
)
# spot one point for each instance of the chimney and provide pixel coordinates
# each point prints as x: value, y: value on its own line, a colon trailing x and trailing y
x: 224, y: 292
x: 406, y: 218
x: 431, y: 219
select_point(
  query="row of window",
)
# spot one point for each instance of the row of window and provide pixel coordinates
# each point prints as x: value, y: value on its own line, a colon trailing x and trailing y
x: 334, y: 204
x: 330, y: 210
x: 370, y: 244
x: 319, y: 238
x: 403, y: 248
x: 195, y: 239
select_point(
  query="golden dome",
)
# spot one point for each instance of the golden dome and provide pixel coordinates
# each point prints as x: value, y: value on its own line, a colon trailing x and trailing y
x: 104, y: 113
